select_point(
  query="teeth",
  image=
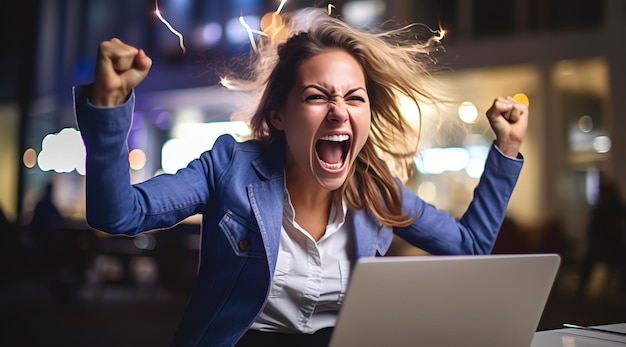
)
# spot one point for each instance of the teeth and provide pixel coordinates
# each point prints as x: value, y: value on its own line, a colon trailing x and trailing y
x: 335, y: 138
x: 332, y: 166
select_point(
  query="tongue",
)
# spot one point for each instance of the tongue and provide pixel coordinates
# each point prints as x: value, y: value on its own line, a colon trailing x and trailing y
x: 329, y: 151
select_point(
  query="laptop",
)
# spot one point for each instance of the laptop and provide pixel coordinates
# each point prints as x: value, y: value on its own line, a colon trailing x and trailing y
x: 478, y: 300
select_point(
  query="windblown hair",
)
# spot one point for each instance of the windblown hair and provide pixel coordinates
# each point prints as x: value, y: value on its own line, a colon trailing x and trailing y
x: 396, y: 64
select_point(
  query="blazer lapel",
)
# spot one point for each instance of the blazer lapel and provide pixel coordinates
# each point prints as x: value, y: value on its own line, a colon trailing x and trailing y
x: 370, y: 236
x: 267, y: 200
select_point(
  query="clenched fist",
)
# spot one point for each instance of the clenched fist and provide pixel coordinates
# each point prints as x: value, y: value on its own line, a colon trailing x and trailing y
x: 509, y: 121
x: 119, y: 68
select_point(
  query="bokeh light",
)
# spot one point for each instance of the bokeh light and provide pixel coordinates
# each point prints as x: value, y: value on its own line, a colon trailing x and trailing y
x: 585, y: 123
x: 30, y: 158
x: 62, y: 152
x: 191, y: 139
x: 137, y: 159
x: 468, y: 112
x: 602, y: 144
x: 237, y: 33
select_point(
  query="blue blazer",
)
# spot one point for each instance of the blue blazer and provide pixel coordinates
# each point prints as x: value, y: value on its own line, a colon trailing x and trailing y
x: 238, y: 189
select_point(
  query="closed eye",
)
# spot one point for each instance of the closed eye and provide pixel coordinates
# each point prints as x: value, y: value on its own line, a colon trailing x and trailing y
x: 317, y: 99
x: 356, y: 98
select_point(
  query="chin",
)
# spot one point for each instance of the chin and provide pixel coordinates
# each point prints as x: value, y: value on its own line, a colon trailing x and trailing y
x: 331, y: 184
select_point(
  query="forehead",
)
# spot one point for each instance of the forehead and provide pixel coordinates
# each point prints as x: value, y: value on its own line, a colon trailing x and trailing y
x: 331, y: 68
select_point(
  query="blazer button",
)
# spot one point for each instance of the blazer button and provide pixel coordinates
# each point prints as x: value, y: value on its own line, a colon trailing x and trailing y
x: 244, y: 245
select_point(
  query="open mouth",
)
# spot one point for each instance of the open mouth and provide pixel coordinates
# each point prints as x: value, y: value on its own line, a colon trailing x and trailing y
x: 332, y: 150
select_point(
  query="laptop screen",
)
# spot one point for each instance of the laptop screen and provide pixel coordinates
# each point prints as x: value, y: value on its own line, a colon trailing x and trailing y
x: 483, y: 300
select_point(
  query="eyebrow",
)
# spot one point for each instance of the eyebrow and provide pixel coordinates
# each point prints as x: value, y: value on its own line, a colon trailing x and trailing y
x: 326, y: 92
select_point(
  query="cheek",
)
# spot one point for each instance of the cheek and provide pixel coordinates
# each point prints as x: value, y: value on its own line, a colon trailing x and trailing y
x: 299, y: 134
x: 300, y: 128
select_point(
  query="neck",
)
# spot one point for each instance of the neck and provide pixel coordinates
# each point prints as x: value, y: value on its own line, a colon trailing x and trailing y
x: 304, y: 191
x: 311, y: 203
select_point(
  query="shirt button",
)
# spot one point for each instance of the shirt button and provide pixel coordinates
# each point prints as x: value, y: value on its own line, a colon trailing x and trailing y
x: 244, y: 245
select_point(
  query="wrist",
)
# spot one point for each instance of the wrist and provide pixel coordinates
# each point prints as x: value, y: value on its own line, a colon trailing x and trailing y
x: 106, y: 99
x: 510, y: 149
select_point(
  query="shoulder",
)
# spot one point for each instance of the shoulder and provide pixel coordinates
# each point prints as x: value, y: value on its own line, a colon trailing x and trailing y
x: 230, y: 155
x: 232, y: 161
x: 227, y: 145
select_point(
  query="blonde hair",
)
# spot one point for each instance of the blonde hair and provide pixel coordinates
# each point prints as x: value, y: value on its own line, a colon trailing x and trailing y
x: 396, y: 64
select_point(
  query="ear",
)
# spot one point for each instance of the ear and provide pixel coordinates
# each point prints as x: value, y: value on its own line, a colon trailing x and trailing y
x: 276, y: 119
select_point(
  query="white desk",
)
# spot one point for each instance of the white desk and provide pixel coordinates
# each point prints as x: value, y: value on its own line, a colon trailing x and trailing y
x: 571, y: 337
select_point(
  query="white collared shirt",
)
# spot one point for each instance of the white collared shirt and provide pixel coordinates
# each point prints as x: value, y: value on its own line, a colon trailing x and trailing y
x: 311, y: 277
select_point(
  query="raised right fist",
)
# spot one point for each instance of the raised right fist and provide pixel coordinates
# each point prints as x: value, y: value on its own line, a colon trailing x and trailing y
x: 119, y: 68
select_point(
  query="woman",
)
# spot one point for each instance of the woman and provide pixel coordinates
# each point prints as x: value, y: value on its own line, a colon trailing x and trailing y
x: 287, y: 213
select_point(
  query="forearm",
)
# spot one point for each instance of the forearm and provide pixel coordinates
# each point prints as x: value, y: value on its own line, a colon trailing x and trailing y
x: 110, y: 199
x: 437, y: 232
x: 487, y: 210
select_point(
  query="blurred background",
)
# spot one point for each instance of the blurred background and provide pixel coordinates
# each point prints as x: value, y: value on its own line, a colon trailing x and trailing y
x: 65, y: 284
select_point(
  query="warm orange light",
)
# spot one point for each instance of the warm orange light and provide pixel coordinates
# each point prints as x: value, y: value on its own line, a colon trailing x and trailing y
x: 30, y: 158
x: 521, y: 98
x: 271, y: 24
x: 137, y: 159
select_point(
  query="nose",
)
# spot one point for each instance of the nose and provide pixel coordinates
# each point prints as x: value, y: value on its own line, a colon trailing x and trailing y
x: 338, y: 112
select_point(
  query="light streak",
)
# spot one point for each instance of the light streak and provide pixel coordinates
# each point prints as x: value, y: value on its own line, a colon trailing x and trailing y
x: 249, y: 30
x: 169, y: 26
x: 259, y: 32
x: 330, y: 8
x: 440, y: 35
x: 226, y: 83
x: 280, y: 7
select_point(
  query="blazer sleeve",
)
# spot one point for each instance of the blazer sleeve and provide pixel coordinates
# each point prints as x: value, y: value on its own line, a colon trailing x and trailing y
x: 437, y: 232
x: 113, y: 204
